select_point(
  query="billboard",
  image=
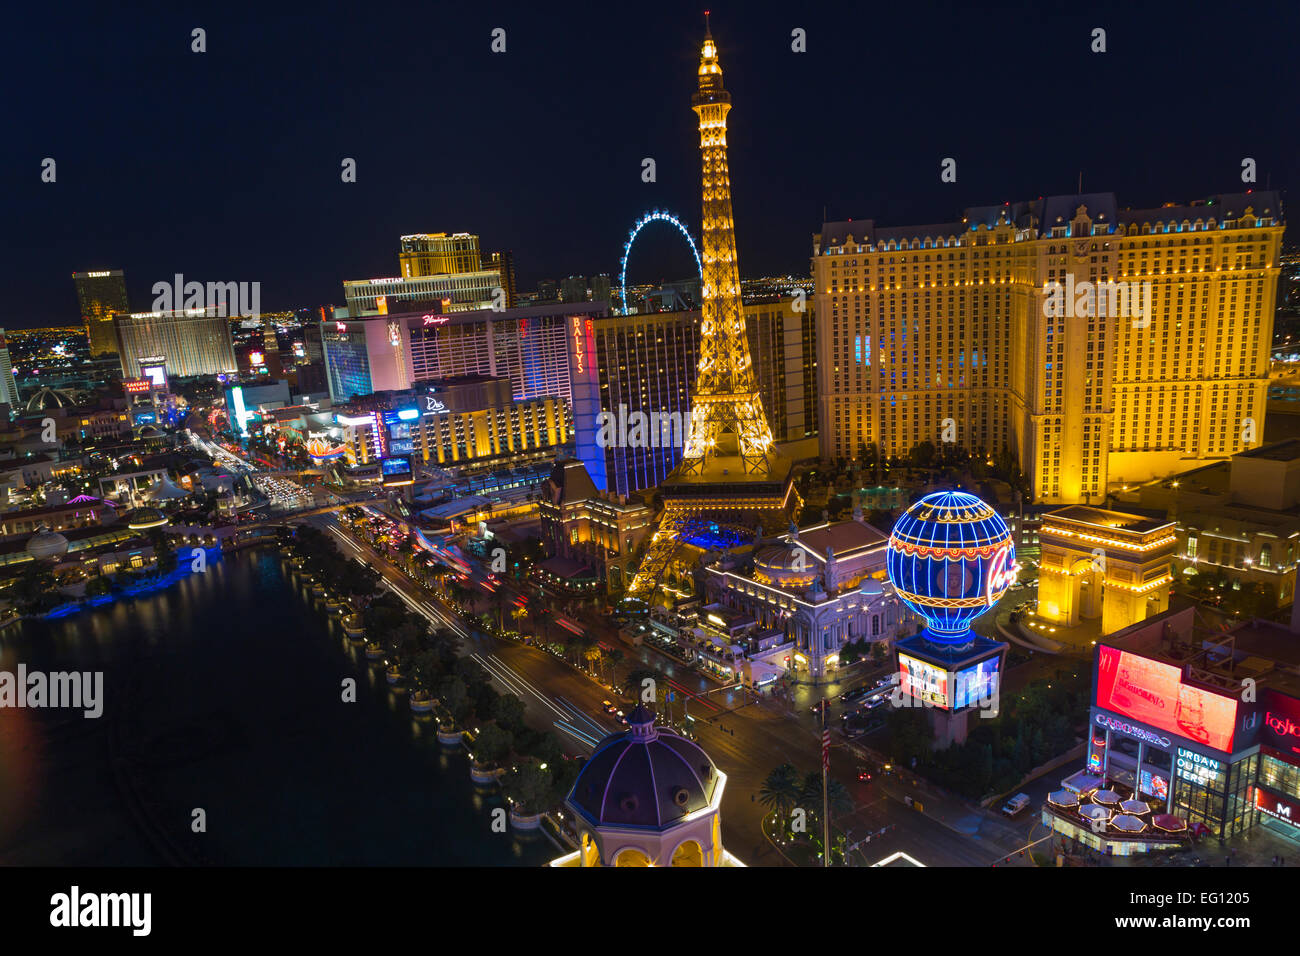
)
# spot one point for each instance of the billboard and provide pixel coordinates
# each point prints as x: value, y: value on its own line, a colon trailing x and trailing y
x: 1284, y: 811
x: 1153, y: 692
x: 923, y: 681
x: 394, y: 472
x: 156, y: 374
x: 1281, y: 726
x: 136, y: 386
x: 976, y: 683
x: 1155, y: 785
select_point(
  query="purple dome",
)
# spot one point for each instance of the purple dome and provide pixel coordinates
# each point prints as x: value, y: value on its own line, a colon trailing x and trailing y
x: 644, y: 777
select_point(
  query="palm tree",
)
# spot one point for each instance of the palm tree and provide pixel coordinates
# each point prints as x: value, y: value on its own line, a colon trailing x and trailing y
x: 518, y: 614
x: 780, y: 790
x: 811, y: 794
x: 592, y: 655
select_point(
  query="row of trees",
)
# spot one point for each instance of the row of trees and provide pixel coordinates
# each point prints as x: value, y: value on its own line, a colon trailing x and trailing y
x: 540, y: 775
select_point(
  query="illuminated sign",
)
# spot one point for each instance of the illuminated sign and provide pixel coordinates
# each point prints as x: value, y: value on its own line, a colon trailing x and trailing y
x: 976, y: 683
x: 435, y: 319
x: 395, y: 472
x: 1120, y: 727
x: 1198, y: 768
x: 579, y: 351
x: 408, y: 414
x: 923, y: 681
x: 1154, y: 785
x: 1153, y: 692
x: 157, y: 374
x: 432, y: 405
x: 241, y: 413
x: 1281, y: 728
x: 134, y: 386
x: 97, y: 275
x: 256, y: 358
x: 1002, y: 575
x: 1279, y: 809
x: 382, y: 281
x: 340, y: 327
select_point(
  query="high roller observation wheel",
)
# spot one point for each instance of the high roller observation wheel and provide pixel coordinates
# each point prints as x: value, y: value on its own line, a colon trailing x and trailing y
x: 656, y: 215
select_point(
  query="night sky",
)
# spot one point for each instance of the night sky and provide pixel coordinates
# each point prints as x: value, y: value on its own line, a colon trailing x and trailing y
x: 225, y: 166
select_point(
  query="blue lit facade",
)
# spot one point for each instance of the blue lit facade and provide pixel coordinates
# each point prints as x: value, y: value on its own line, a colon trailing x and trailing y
x: 950, y: 559
x: 347, y: 363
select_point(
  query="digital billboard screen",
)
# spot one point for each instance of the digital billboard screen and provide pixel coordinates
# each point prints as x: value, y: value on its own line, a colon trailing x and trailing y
x: 395, y: 471
x: 923, y: 681
x: 1153, y: 692
x: 976, y: 683
x: 1155, y: 785
x: 156, y: 374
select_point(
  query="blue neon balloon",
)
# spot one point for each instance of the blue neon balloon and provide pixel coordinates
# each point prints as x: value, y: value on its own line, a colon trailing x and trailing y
x: 950, y: 558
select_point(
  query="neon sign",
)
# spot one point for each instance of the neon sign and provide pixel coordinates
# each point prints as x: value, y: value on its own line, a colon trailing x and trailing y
x: 579, y: 353
x: 1282, y: 726
x: 1130, y: 730
x: 340, y: 327
x: 1197, y: 768
x: 435, y: 319
x: 1002, y: 575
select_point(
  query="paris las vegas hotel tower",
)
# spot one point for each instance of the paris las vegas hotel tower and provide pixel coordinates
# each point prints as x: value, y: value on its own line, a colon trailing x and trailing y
x: 963, y: 321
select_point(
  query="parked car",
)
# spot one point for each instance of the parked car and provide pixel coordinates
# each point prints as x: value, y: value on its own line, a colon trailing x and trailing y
x: 1016, y: 805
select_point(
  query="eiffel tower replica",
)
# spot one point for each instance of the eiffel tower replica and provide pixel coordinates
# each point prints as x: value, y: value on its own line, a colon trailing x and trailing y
x: 731, y: 481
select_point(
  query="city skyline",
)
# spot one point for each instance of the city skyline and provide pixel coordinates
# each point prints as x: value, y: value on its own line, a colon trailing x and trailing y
x: 970, y: 541
x: 566, y: 146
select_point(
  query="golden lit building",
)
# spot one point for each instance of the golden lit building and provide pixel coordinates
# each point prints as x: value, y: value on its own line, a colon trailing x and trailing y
x: 1100, y: 346
x: 438, y: 254
x: 101, y: 296
x: 454, y: 422
x: 601, y: 529
x: 1103, y: 564
x: 1238, y: 521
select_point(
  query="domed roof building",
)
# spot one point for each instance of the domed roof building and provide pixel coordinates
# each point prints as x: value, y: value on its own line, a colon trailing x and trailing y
x: 46, y: 544
x: 144, y: 518
x: 648, y: 797
x: 48, y: 397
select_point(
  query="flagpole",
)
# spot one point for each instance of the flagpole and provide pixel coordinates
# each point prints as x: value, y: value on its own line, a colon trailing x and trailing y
x: 826, y: 798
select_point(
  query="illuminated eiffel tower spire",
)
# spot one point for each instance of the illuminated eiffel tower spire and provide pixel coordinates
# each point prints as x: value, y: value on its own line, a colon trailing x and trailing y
x: 731, y: 480
x: 727, y: 418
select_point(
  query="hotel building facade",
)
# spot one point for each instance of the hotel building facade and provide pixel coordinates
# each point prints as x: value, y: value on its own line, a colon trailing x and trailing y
x: 101, y: 296
x: 647, y: 363
x: 1149, y: 358
x: 190, y: 342
x: 456, y: 422
x: 590, y: 361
